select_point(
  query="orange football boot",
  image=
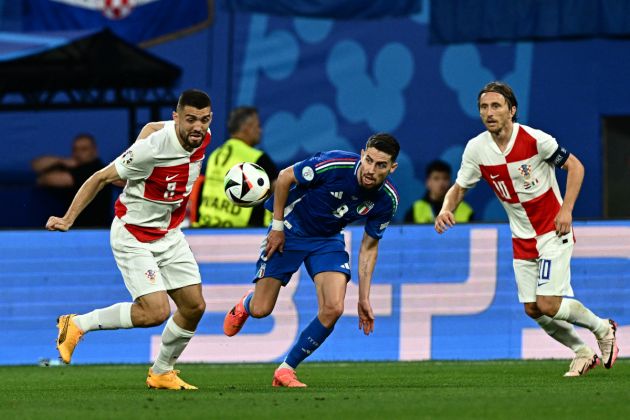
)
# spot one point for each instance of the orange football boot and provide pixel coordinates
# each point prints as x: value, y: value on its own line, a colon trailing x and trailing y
x: 168, y: 380
x: 236, y: 317
x: 287, y: 378
x: 68, y: 337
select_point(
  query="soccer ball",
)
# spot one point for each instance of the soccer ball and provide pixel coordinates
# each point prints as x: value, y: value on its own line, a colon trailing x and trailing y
x: 246, y: 184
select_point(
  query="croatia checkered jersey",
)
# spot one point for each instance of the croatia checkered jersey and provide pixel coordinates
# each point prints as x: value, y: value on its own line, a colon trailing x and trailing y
x: 328, y: 197
x: 522, y: 177
x: 160, y: 175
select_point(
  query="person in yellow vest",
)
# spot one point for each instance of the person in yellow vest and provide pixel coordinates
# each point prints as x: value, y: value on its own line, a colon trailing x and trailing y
x: 437, y: 182
x: 215, y: 209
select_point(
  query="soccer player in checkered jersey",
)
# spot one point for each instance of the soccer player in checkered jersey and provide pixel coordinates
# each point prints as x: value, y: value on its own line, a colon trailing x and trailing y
x: 150, y: 249
x: 519, y: 164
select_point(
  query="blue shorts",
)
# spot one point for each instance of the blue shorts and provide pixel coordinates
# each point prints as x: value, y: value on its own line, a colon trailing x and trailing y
x: 317, y: 254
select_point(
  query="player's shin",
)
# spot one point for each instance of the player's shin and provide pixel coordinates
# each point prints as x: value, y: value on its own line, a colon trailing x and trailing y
x: 174, y: 341
x: 561, y: 331
x: 309, y: 340
x: 572, y: 311
x: 111, y: 318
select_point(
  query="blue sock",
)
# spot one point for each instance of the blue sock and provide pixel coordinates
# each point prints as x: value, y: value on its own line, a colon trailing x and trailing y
x: 311, y: 338
x: 246, y: 302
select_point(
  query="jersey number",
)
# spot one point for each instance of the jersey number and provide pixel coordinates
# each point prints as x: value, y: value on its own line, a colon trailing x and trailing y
x: 502, y: 189
x: 170, y: 190
x: 340, y: 211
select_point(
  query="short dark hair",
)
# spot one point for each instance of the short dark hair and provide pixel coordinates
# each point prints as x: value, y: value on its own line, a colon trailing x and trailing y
x: 437, y: 166
x: 88, y: 136
x: 238, y: 117
x: 195, y: 98
x: 502, y: 89
x: 384, y: 142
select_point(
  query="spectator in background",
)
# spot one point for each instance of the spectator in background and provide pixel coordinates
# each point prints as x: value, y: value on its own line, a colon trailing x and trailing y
x: 215, y: 209
x: 66, y: 175
x: 437, y: 182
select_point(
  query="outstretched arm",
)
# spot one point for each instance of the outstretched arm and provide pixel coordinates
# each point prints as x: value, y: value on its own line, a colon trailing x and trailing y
x: 446, y: 219
x: 575, y: 176
x: 367, y: 261
x: 83, y: 197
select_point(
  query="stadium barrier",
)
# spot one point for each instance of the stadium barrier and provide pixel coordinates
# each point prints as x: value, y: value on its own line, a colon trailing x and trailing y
x: 449, y: 296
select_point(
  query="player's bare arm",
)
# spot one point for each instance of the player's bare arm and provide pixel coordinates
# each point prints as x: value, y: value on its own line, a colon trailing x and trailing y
x: 367, y: 260
x: 275, y: 238
x: 84, y: 196
x: 575, y: 176
x: 149, y: 129
x: 445, y: 219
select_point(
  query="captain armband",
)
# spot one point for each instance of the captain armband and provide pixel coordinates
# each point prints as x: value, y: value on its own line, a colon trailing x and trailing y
x: 559, y: 157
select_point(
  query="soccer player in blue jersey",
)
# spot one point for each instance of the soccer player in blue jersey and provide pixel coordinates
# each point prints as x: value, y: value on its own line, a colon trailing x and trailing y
x: 312, y: 203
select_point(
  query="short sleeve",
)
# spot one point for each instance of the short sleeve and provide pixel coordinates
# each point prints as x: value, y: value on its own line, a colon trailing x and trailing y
x: 375, y: 226
x: 306, y: 170
x: 547, y: 145
x: 137, y: 162
x: 469, y: 173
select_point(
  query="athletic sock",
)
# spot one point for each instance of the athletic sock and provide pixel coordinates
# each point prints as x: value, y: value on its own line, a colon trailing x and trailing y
x: 575, y: 313
x: 311, y: 338
x: 174, y: 341
x: 285, y: 365
x: 246, y: 301
x: 111, y: 318
x: 562, y: 332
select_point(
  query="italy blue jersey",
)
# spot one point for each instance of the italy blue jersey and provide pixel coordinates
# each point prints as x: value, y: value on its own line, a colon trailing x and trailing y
x: 328, y: 197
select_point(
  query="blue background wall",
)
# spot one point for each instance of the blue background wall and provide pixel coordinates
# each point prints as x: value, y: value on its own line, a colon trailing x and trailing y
x: 323, y: 84
x: 435, y: 297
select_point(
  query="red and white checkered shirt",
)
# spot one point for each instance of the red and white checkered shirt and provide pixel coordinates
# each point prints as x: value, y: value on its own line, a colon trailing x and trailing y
x: 522, y: 179
x: 160, y: 175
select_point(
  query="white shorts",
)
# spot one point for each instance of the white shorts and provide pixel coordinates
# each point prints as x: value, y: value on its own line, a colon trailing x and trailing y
x: 548, y: 275
x: 161, y: 265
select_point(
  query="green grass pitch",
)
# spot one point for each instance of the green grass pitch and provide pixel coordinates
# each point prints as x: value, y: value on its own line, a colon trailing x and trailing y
x: 435, y: 390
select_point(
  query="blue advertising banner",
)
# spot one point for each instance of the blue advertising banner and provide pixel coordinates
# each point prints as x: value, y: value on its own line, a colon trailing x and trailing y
x: 135, y: 20
x: 435, y: 297
x: 347, y: 9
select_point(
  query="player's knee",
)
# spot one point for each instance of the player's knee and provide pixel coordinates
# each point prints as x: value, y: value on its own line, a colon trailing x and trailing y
x: 158, y: 316
x: 150, y: 314
x: 548, y: 306
x: 548, y: 309
x: 332, y: 311
x: 152, y: 318
x: 260, y: 311
x: 197, y: 310
x: 532, y: 310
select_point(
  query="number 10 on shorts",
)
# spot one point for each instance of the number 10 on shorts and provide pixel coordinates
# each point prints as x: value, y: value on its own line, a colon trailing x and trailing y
x: 544, y: 267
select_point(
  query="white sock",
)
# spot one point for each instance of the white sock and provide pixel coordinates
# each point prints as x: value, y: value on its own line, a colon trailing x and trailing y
x: 562, y: 332
x: 111, y: 318
x: 174, y: 341
x: 285, y: 365
x: 575, y: 313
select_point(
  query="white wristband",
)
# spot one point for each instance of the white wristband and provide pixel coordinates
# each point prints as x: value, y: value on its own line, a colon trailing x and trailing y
x: 277, y: 225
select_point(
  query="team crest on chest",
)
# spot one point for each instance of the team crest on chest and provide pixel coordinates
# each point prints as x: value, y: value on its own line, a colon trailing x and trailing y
x: 365, y: 207
x: 526, y: 171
